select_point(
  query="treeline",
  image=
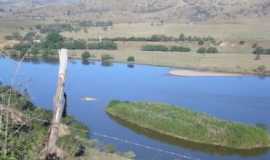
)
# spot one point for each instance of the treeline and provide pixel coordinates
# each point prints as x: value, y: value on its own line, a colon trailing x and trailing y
x: 164, y: 38
x: 261, y: 50
x: 54, y: 41
x: 163, y: 48
x: 82, y: 44
x: 203, y: 50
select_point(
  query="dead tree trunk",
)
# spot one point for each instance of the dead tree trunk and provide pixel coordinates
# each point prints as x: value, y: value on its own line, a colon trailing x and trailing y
x: 51, y: 149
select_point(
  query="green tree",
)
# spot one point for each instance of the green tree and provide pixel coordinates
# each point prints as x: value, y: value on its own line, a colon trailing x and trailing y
x: 200, y: 42
x: 201, y: 50
x: 131, y: 59
x: 212, y: 50
x: 53, y: 40
x: 182, y: 37
x: 85, y: 56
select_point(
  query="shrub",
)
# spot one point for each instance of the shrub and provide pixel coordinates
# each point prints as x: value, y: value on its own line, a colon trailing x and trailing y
x: 106, y: 57
x: 86, y: 55
x: 200, y: 42
x: 180, y: 49
x: 131, y: 59
x: 106, y: 60
x: 212, y: 50
x: 155, y: 48
x: 201, y: 50
x: 258, y: 50
x: 22, y: 47
x: 242, y: 42
x: 267, y: 51
x: 53, y: 40
x: 79, y: 44
x: 182, y: 37
x: 261, y: 69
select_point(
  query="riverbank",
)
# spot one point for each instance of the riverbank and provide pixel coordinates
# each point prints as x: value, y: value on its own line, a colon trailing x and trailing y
x: 210, y: 63
x: 28, y: 129
x: 193, y: 73
x: 186, y: 125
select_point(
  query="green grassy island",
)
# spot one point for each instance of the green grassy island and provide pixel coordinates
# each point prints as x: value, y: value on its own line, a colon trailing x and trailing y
x: 184, y: 124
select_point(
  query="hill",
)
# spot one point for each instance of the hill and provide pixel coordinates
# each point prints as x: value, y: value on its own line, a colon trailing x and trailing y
x: 143, y: 10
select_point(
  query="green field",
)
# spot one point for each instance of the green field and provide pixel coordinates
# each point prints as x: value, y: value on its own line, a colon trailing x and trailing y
x: 184, y: 124
x: 232, y: 56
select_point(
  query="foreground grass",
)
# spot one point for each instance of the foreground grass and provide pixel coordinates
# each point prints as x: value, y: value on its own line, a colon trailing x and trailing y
x: 27, y: 135
x: 191, y: 126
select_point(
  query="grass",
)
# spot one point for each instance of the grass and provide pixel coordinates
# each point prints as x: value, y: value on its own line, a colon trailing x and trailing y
x: 232, y: 56
x: 26, y: 141
x: 184, y: 124
x: 221, y: 62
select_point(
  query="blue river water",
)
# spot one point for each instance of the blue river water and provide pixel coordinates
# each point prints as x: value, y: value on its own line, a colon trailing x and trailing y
x: 242, y: 99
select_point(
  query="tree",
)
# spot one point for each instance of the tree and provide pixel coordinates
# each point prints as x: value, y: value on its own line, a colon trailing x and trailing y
x: 53, y: 40
x: 200, y: 42
x: 182, y: 37
x: 212, y: 50
x: 242, y: 42
x: 131, y: 59
x: 85, y: 56
x: 201, y: 50
x: 258, y: 50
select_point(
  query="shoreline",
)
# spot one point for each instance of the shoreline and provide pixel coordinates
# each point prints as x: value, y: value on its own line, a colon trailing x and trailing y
x: 198, y: 73
x: 179, y: 71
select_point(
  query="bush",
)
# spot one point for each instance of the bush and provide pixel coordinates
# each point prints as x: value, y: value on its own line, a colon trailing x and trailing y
x: 242, y: 42
x: 200, y: 42
x: 179, y: 49
x: 53, y: 40
x: 261, y: 70
x: 155, y: 48
x: 207, y: 50
x: 106, y: 57
x: 212, y: 50
x: 201, y: 50
x: 86, y: 55
x: 131, y: 59
x: 22, y: 47
x: 258, y: 50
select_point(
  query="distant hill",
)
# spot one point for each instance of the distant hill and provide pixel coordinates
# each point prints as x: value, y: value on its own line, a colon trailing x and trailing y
x: 146, y: 10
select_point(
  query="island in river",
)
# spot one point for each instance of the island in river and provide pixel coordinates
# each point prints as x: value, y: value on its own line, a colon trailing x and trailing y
x: 191, y: 126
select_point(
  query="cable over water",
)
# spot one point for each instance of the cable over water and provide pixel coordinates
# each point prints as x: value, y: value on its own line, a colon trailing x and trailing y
x: 178, y: 155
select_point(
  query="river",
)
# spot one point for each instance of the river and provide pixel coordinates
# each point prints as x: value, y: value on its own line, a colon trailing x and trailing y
x: 243, y: 99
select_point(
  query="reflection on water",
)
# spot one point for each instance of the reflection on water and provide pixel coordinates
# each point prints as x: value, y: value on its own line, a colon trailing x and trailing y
x: 106, y: 63
x: 130, y: 65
